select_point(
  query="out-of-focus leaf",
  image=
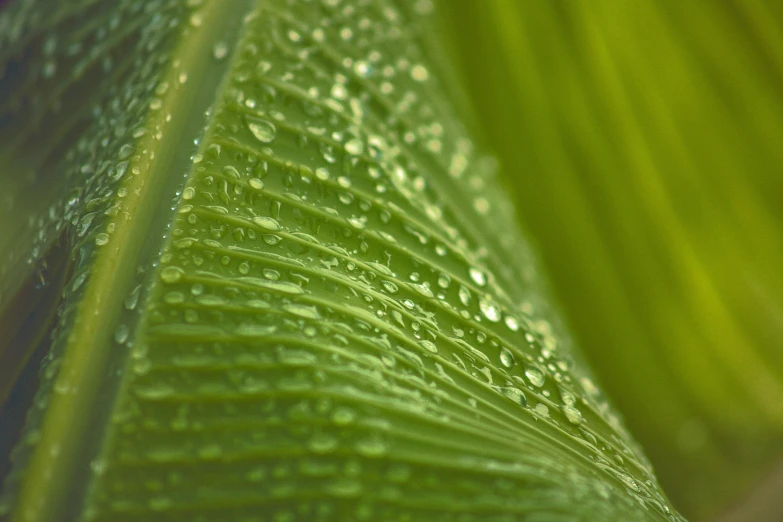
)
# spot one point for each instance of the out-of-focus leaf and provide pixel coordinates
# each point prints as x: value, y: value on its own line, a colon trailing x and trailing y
x: 294, y: 289
x: 642, y: 142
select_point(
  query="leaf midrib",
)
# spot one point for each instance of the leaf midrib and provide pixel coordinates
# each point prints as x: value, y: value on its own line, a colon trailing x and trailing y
x: 46, y: 490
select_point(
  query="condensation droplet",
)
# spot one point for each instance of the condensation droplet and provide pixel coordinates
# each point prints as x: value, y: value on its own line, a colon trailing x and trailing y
x: 535, y: 376
x: 220, y: 50
x: 419, y: 73
x: 121, y: 333
x: 263, y: 130
x: 478, y: 276
x: 322, y: 443
x: 267, y: 223
x: 506, y: 357
x: 464, y: 296
x: 573, y: 415
x: 372, y: 447
x: 490, y: 309
x: 171, y: 274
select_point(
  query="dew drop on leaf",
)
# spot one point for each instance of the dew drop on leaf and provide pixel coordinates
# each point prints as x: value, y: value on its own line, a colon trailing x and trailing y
x: 267, y: 223
x: 343, y: 416
x: 322, y: 443
x: 171, y: 274
x: 464, y: 296
x: 535, y: 376
x: 263, y: 130
x: 515, y: 394
x: 220, y: 50
x: 573, y: 415
x: 121, y: 333
x: 478, y: 276
x: 506, y: 357
x: 490, y: 309
x: 372, y: 447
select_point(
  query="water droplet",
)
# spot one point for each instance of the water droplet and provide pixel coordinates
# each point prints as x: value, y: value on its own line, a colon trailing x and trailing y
x: 49, y: 69
x: 308, y: 312
x: 362, y: 68
x: 322, y: 443
x: 272, y: 275
x: 263, y: 130
x: 372, y: 447
x: 344, y: 488
x: 126, y: 151
x: 568, y: 397
x: 267, y: 222
x: 573, y: 415
x: 515, y: 394
x: 629, y: 481
x: 210, y: 451
x: 389, y: 287
x: 464, y: 296
x: 481, y: 205
x: 155, y: 390
x: 171, y: 274
x: 101, y: 239
x: 490, y: 309
x: 429, y: 346
x: 535, y: 376
x: 220, y: 50
x: 478, y: 276
x: 354, y: 147
x: 98, y: 466
x: 423, y: 289
x: 339, y: 92
x: 133, y: 298
x: 419, y: 73
x: 121, y: 334
x: 512, y: 323
x: 506, y: 357
x: 355, y: 222
x: 343, y: 416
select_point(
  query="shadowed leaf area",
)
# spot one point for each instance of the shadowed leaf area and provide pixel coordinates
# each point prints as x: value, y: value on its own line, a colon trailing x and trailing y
x: 292, y: 287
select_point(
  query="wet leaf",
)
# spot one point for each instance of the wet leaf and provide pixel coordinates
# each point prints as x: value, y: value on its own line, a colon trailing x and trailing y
x: 297, y: 290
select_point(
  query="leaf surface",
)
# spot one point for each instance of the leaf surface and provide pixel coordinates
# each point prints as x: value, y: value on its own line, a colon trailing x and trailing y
x: 297, y: 292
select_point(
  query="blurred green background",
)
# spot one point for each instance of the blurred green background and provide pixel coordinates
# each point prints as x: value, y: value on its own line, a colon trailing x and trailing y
x: 643, y: 142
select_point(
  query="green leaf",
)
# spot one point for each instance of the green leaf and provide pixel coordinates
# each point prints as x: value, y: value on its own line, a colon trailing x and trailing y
x: 297, y: 290
x: 642, y: 144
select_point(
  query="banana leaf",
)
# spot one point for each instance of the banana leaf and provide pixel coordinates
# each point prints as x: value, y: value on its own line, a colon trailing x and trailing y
x: 271, y: 277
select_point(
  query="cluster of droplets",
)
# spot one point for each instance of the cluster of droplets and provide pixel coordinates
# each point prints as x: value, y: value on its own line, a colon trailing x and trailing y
x: 312, y: 251
x: 323, y: 293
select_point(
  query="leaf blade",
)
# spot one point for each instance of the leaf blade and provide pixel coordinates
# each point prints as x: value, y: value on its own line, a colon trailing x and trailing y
x: 332, y: 309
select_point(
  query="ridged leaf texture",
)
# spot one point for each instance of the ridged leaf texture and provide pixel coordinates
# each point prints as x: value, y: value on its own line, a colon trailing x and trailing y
x: 293, y: 288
